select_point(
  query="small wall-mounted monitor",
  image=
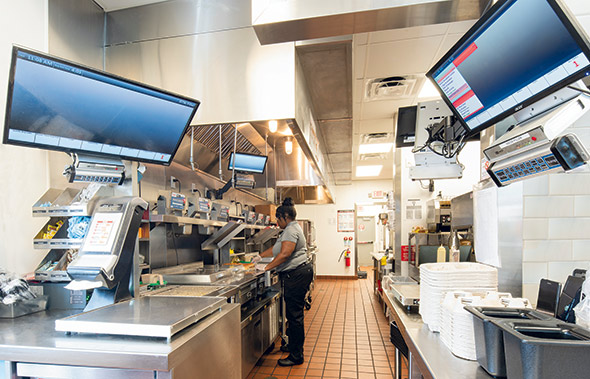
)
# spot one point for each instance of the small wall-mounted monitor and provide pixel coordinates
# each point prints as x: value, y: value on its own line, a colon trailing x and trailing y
x: 519, y: 52
x: 54, y: 104
x: 405, y: 132
x: 253, y: 164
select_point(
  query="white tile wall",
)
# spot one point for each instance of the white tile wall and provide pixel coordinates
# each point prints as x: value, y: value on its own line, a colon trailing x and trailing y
x: 544, y: 250
x: 556, y: 222
x: 535, y: 229
x: 532, y: 272
x: 548, y: 206
x: 531, y: 292
x: 569, y: 184
x: 582, y: 206
x: 559, y: 271
x: 536, y: 186
x: 569, y: 228
x: 581, y: 250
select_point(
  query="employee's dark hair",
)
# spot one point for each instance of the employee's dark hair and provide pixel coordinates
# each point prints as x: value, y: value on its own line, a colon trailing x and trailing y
x: 287, y: 209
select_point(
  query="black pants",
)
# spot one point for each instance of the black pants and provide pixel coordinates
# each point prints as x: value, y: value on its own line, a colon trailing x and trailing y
x: 295, y: 284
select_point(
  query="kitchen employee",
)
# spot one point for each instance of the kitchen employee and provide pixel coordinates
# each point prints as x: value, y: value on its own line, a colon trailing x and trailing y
x: 296, y: 272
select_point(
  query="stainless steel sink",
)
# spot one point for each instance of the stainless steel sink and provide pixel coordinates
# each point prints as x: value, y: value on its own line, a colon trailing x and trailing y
x: 545, y: 349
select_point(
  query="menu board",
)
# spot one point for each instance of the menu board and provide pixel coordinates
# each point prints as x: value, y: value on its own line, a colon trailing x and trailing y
x: 346, y: 221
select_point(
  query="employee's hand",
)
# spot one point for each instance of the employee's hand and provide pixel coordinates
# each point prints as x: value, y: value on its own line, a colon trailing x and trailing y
x: 256, y: 259
x: 260, y: 267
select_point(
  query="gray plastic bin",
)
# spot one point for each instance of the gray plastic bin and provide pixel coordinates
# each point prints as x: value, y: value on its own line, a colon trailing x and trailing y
x: 545, y: 349
x: 489, y: 343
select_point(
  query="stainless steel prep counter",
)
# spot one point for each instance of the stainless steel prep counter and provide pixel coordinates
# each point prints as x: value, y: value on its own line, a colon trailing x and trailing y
x: 428, y: 355
x: 32, y: 347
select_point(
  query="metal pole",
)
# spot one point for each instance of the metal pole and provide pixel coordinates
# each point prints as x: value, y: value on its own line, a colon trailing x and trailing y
x: 233, y: 171
x: 266, y: 174
x: 220, y: 170
x: 192, y: 141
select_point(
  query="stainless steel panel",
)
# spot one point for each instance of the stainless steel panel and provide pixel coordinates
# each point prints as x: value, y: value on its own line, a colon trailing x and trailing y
x: 510, y: 244
x: 63, y: 372
x: 76, y: 31
x: 295, y: 20
x: 146, y: 316
x: 234, y: 77
x: 251, y: 343
x: 175, y: 18
x: 204, y: 350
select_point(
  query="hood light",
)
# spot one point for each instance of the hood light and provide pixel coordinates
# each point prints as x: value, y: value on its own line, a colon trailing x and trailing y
x: 272, y: 126
x: 288, y: 146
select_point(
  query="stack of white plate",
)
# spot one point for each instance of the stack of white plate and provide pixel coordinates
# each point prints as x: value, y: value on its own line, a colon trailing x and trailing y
x: 436, y: 279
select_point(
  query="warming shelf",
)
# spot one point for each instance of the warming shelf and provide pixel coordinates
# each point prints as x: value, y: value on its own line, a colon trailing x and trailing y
x: 221, y: 237
x: 148, y: 316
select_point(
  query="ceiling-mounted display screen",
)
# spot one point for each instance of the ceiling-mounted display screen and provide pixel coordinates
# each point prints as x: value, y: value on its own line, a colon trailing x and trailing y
x: 250, y: 163
x: 59, y: 105
x: 519, y: 52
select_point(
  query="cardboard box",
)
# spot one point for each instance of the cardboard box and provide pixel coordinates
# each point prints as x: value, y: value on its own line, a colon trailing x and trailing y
x: 267, y: 209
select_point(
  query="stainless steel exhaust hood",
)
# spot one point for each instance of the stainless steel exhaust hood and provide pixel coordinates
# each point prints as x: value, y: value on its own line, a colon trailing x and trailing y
x: 208, y: 49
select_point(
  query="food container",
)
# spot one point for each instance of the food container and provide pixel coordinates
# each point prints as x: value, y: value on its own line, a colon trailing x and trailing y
x: 545, y: 349
x: 489, y: 342
x: 24, y: 307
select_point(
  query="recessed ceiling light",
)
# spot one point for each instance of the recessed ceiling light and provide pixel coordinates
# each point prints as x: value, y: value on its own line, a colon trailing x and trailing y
x: 368, y: 170
x: 375, y: 148
x: 428, y: 90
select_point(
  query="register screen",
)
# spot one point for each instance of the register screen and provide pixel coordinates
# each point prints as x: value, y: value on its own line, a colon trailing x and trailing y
x: 518, y: 53
x: 102, y: 233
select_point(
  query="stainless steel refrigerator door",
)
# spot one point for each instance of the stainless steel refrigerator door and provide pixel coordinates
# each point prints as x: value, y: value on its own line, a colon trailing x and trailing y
x: 365, y: 240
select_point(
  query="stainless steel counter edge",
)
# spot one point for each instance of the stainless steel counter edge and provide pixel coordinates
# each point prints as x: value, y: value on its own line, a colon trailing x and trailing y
x: 33, y: 339
x: 433, y: 358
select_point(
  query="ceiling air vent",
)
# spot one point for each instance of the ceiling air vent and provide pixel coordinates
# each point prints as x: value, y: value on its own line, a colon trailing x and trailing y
x: 391, y: 87
x: 370, y: 156
x: 381, y: 137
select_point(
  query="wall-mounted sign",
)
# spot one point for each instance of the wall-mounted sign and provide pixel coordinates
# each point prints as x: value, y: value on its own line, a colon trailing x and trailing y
x: 346, y: 221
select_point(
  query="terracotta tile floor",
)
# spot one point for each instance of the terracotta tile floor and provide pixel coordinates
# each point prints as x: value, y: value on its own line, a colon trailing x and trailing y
x: 347, y: 336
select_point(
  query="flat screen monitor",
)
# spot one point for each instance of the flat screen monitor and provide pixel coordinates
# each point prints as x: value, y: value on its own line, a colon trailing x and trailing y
x: 518, y: 52
x: 55, y: 104
x: 405, y: 133
x: 249, y: 163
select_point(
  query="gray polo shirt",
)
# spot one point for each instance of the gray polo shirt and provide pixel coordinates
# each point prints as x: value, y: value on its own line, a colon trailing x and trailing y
x: 292, y: 233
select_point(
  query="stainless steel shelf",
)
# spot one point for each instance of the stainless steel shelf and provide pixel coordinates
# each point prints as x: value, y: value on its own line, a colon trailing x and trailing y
x: 170, y: 219
x: 57, y: 243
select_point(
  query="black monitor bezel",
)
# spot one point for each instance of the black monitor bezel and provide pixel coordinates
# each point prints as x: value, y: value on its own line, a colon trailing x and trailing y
x: 566, y: 18
x: 5, y: 140
x: 229, y: 165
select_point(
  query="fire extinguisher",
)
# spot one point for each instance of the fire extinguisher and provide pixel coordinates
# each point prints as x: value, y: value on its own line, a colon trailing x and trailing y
x: 346, y: 252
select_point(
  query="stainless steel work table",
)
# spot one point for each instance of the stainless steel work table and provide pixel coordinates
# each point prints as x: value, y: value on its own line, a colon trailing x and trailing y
x: 428, y: 355
x: 32, y: 346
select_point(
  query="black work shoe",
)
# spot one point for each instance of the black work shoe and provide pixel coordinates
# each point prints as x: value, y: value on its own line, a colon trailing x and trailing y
x: 290, y: 361
x: 285, y: 348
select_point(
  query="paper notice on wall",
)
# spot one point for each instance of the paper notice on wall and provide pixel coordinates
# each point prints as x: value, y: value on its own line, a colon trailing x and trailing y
x: 485, y: 226
x: 413, y: 209
x: 346, y: 221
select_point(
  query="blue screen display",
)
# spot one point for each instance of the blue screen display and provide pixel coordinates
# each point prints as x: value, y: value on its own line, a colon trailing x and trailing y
x: 522, y: 52
x: 248, y: 163
x: 63, y: 106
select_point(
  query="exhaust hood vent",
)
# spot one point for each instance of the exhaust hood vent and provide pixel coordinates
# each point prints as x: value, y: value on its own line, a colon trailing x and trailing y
x: 208, y: 135
x: 382, y: 137
x: 391, y: 87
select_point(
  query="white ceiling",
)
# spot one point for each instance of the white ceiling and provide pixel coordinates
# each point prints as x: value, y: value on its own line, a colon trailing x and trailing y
x: 400, y: 52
